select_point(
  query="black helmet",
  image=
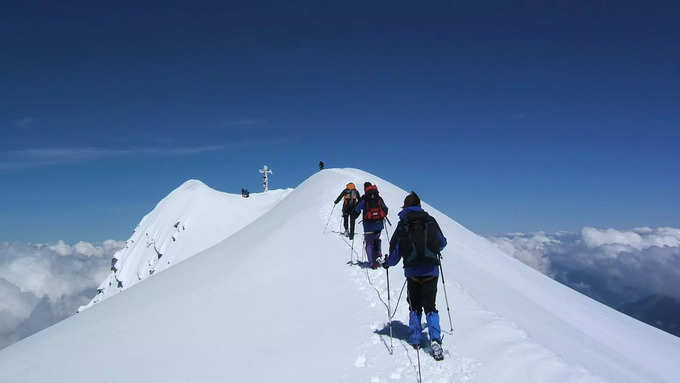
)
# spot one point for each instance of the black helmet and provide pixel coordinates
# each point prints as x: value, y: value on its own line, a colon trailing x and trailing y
x: 411, y: 199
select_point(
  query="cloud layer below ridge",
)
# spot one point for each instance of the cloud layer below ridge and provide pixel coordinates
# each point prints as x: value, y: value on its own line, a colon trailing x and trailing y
x: 41, y: 284
x: 613, y: 266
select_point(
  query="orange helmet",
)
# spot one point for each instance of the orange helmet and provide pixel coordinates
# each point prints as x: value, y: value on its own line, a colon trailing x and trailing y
x: 351, y: 186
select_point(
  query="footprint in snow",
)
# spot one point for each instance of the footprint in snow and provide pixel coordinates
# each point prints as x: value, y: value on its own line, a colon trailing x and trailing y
x: 360, y: 362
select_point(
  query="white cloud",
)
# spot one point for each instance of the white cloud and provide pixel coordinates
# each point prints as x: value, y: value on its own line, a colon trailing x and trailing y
x: 44, y: 283
x: 530, y: 249
x: 643, y: 230
x: 595, y: 238
x: 86, y: 248
x: 614, y: 242
x: 111, y: 245
x: 15, y: 307
x: 14, y: 303
x: 610, y: 265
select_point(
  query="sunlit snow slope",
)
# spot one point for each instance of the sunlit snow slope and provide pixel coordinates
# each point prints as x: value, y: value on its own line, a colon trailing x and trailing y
x: 192, y: 218
x: 277, y: 301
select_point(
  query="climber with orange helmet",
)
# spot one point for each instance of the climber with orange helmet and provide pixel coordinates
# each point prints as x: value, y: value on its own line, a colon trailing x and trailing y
x: 351, y: 197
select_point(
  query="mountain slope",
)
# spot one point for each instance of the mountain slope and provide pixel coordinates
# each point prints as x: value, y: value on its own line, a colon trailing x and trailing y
x: 276, y: 301
x: 192, y: 218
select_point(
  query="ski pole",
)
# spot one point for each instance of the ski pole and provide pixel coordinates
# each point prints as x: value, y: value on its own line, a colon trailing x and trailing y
x: 448, y: 309
x: 398, y: 299
x: 388, y: 221
x: 389, y: 308
x: 329, y: 219
x: 365, y: 252
x: 420, y: 378
x: 351, y: 254
x: 387, y: 232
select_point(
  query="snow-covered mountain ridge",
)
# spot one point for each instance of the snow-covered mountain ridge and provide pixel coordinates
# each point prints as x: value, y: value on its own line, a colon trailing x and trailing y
x: 277, y: 301
x: 190, y: 219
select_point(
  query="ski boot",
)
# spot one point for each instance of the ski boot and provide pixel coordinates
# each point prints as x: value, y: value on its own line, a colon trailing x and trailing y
x: 437, y: 351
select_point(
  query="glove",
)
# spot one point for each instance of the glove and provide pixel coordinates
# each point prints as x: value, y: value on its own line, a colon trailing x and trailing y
x: 384, y: 265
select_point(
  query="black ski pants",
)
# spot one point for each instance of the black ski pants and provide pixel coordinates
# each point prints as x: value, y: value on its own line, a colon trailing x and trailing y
x: 348, y: 219
x: 422, y: 294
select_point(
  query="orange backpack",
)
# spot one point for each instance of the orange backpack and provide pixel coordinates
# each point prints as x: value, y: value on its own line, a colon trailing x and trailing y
x: 353, y: 195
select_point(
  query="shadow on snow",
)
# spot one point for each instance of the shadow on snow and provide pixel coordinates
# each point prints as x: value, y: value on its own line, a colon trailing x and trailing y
x: 361, y: 264
x: 400, y: 331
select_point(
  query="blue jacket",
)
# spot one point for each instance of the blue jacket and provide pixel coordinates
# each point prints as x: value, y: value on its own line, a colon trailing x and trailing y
x: 395, y: 255
x: 370, y: 226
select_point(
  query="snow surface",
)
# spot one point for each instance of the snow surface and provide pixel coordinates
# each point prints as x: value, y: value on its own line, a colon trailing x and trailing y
x: 189, y: 220
x: 277, y: 301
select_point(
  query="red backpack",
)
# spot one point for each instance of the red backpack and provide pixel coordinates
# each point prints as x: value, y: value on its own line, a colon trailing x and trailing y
x: 373, y: 210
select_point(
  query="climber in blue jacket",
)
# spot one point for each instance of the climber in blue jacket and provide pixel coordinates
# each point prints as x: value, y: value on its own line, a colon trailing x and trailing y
x: 418, y: 240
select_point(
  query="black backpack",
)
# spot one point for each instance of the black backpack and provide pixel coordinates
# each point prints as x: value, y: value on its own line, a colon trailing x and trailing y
x: 419, y: 240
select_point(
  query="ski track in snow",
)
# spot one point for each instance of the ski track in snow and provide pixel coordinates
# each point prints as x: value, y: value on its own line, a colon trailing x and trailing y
x: 373, y: 353
x: 507, y: 338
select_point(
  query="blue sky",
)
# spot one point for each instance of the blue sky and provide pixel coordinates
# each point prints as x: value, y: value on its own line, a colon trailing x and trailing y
x: 513, y: 117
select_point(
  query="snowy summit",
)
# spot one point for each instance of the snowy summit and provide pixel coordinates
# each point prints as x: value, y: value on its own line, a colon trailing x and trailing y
x: 192, y: 218
x: 213, y: 287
